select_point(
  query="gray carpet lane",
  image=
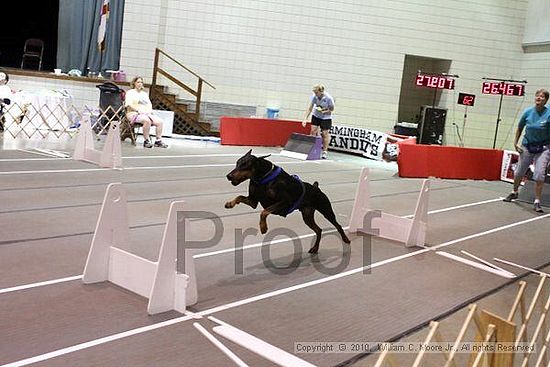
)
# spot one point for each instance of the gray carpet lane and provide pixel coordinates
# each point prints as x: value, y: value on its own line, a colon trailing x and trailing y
x: 44, y: 165
x: 6, y: 154
x: 363, y: 308
x: 39, y: 261
x: 229, y: 278
x: 18, y: 182
x: 41, y: 320
x: 75, y: 195
x: 82, y: 219
x: 527, y: 245
x: 67, y: 202
x: 372, y: 307
x: 146, y: 241
x: 283, y: 255
x: 176, y: 345
x: 460, y: 222
x: 223, y: 160
x: 94, y: 175
x: 216, y: 273
x: 217, y: 277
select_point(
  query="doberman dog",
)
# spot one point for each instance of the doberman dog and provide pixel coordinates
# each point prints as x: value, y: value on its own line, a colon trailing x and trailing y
x: 280, y: 194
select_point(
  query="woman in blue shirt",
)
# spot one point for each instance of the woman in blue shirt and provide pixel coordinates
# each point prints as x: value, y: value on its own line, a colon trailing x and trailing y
x: 534, y: 146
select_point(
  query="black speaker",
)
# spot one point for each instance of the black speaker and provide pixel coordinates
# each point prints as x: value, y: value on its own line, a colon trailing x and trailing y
x: 432, y: 125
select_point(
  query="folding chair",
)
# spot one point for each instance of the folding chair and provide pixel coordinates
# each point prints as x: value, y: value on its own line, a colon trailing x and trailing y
x: 33, y: 50
x: 129, y: 130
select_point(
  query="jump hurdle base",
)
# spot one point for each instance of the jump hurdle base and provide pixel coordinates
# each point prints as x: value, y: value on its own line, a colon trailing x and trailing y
x: 109, y: 157
x: 411, y: 232
x: 158, y: 281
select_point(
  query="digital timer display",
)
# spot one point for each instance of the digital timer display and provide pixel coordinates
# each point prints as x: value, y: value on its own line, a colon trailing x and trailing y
x: 466, y: 99
x: 434, y: 81
x: 508, y: 89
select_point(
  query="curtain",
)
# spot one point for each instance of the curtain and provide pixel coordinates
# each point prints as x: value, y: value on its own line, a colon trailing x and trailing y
x: 77, y: 46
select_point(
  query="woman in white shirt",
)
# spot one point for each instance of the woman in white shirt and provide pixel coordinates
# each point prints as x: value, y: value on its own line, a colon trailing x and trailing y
x: 139, y: 109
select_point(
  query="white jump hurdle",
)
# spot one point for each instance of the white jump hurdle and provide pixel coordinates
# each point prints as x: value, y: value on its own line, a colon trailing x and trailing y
x: 109, y: 157
x: 158, y: 281
x: 412, y: 232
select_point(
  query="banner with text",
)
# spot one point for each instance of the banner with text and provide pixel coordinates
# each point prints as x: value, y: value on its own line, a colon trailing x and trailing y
x: 369, y: 143
x: 509, y: 163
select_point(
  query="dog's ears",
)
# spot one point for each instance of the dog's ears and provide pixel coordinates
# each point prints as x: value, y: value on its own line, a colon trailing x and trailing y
x: 249, y: 152
x: 264, y: 156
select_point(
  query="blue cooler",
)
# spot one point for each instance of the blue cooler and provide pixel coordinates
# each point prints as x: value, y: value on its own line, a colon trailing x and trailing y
x: 272, y: 113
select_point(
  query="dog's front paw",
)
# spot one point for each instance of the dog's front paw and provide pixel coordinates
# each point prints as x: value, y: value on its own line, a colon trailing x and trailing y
x: 229, y: 204
x: 314, y: 249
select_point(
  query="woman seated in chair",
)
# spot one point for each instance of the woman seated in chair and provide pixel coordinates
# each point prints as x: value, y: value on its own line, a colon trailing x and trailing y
x: 140, y: 110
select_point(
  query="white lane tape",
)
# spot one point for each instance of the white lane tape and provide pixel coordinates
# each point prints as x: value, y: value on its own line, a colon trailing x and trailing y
x: 504, y: 274
x: 239, y: 362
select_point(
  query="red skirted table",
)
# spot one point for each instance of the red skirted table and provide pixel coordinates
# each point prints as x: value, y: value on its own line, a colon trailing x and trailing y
x: 421, y: 161
x: 258, y: 131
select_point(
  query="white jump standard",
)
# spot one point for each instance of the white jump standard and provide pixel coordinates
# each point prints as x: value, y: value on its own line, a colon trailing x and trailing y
x: 158, y: 281
x: 109, y: 157
x: 411, y: 232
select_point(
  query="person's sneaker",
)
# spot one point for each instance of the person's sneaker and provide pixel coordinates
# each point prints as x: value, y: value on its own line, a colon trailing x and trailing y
x: 511, y: 196
x: 147, y: 144
x: 538, y: 208
x: 324, y: 155
x: 160, y: 144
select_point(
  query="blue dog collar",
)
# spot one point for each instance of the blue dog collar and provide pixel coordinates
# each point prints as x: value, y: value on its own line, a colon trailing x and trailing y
x: 271, y: 176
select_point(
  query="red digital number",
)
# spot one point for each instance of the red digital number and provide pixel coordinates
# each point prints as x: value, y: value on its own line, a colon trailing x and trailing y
x: 433, y: 81
x: 468, y: 100
x: 504, y: 88
x: 510, y: 89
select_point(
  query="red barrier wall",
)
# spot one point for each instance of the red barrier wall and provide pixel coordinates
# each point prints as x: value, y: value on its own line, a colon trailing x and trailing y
x: 449, y: 162
x: 258, y: 132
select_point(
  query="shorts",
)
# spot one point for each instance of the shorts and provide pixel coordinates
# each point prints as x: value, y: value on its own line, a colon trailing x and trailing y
x: 540, y: 160
x: 324, y: 124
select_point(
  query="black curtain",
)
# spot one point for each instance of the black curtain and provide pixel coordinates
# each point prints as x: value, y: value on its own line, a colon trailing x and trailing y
x: 37, y: 19
x: 77, y: 35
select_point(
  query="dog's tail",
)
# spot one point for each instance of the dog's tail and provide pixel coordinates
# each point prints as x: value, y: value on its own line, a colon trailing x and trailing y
x: 316, y: 184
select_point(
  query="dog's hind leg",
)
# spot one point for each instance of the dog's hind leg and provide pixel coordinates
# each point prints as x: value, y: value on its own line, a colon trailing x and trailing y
x: 242, y: 199
x: 331, y: 217
x: 308, y: 214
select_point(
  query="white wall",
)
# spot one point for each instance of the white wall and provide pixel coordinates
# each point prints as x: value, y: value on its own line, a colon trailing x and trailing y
x: 270, y: 53
x: 537, y: 29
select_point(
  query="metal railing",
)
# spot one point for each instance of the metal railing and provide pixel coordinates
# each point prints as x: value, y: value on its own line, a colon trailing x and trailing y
x: 156, y: 95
